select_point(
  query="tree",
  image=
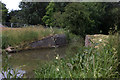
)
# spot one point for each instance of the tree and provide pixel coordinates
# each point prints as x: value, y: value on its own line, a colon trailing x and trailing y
x: 97, y: 11
x: 77, y: 19
x: 111, y: 17
x: 80, y: 18
x: 84, y: 18
x: 52, y: 10
x: 48, y: 17
x: 15, y: 17
x: 4, y: 12
x: 32, y: 13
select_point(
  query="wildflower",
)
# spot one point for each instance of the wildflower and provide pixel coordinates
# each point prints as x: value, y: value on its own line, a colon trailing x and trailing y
x: 57, y: 69
x: 100, y: 40
x: 57, y: 57
x: 113, y: 48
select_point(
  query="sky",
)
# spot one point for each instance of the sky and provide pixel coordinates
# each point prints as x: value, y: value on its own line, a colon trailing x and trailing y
x: 12, y: 4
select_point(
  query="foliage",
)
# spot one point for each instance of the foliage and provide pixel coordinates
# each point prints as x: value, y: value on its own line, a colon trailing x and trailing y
x: 84, y: 18
x: 4, y: 12
x: 76, y: 19
x: 73, y: 38
x: 87, y: 63
x: 15, y: 16
x: 97, y: 10
x: 118, y: 49
x: 51, y: 9
x: 32, y: 13
x: 48, y: 17
x: 81, y: 18
x: 111, y: 19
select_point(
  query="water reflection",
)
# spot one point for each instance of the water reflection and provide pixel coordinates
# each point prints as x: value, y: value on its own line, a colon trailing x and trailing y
x: 28, y: 60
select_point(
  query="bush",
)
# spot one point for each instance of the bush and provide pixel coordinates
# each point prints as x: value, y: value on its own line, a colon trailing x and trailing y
x: 74, y: 38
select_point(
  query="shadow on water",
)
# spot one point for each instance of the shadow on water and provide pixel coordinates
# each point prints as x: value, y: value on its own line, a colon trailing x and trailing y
x: 28, y: 60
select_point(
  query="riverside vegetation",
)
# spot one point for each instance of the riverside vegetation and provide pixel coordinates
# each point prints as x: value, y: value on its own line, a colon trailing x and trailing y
x: 18, y: 37
x: 88, y: 62
x: 79, y: 19
x: 21, y: 36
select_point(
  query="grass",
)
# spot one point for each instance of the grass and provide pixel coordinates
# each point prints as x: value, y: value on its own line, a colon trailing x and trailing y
x: 20, y: 36
x: 88, y: 62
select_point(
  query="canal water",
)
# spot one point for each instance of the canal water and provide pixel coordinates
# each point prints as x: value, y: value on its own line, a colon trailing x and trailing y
x: 30, y: 59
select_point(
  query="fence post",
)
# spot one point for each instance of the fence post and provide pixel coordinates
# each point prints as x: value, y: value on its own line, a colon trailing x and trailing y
x: 11, y: 25
x: 24, y: 25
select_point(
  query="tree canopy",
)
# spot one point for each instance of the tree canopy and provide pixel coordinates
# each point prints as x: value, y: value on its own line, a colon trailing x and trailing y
x: 32, y: 13
x: 4, y: 12
x: 78, y: 18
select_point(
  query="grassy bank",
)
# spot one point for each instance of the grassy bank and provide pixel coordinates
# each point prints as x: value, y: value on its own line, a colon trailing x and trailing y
x: 21, y: 36
x: 86, y: 63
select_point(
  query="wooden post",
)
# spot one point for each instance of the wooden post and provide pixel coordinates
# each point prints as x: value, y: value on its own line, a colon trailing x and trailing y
x: 11, y: 25
x: 24, y: 25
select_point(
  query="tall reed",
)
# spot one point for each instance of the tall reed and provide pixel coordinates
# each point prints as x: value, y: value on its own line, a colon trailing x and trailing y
x: 18, y: 36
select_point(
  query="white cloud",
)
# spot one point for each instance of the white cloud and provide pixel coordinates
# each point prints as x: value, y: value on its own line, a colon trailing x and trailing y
x: 12, y: 4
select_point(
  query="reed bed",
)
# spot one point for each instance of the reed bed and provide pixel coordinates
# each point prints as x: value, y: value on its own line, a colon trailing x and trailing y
x: 16, y: 36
